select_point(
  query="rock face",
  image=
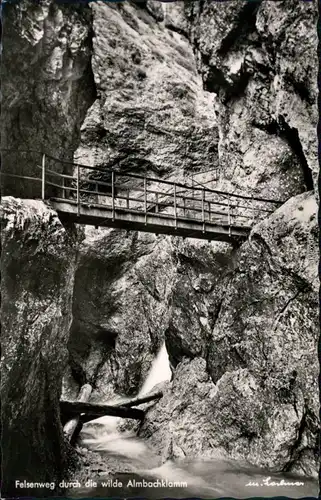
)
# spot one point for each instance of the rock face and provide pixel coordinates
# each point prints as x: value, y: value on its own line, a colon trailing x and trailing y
x: 47, y: 86
x: 131, y: 292
x: 37, y: 283
x: 249, y: 393
x: 120, y: 313
x: 265, y: 77
x: 151, y: 114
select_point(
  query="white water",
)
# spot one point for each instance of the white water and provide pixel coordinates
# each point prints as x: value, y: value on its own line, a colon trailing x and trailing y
x: 159, y: 372
x: 204, y: 478
x: 102, y: 434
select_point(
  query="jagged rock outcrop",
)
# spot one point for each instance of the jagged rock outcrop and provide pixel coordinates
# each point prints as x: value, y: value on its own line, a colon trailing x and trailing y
x: 47, y: 86
x: 131, y: 292
x: 151, y: 114
x: 250, y: 394
x: 119, y: 309
x: 37, y: 275
x: 265, y: 78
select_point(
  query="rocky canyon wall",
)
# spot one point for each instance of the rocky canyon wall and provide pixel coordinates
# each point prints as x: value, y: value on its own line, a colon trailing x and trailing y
x: 260, y: 59
x: 151, y: 114
x: 47, y: 86
x: 250, y: 389
x: 37, y: 275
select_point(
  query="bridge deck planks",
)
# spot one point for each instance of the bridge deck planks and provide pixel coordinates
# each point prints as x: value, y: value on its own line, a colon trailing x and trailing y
x: 152, y: 223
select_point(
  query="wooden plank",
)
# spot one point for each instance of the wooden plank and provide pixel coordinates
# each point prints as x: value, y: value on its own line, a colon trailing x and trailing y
x: 97, y: 212
x: 71, y: 425
x: 215, y: 231
x: 100, y: 410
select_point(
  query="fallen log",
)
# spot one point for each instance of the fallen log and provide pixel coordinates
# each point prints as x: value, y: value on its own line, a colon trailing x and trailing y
x: 134, y: 402
x: 71, y: 426
x: 140, y: 401
x: 100, y: 410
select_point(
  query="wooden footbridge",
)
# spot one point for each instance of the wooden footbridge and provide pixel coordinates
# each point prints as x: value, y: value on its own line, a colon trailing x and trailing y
x: 102, y: 197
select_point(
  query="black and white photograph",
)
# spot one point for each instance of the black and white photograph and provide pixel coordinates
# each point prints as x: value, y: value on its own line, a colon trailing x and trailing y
x: 159, y: 249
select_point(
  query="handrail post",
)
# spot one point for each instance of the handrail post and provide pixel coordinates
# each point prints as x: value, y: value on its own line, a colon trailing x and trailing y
x: 203, y: 209
x: 78, y: 192
x: 113, y: 194
x: 43, y: 181
x: 156, y: 202
x: 145, y: 199
x: 127, y: 199
x: 229, y: 216
x: 209, y: 211
x: 184, y: 206
x: 63, y: 188
x: 97, y: 191
x: 175, y: 206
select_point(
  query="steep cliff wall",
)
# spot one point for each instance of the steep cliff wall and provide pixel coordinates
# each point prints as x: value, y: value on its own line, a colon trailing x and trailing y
x: 260, y: 59
x: 133, y: 291
x: 118, y: 318
x: 37, y: 274
x: 47, y: 85
x: 151, y: 113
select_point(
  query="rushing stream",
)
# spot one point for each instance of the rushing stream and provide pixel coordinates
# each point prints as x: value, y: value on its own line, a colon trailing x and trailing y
x: 142, y: 475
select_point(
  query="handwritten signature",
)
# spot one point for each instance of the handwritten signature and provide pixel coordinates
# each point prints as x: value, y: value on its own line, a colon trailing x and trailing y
x: 268, y: 482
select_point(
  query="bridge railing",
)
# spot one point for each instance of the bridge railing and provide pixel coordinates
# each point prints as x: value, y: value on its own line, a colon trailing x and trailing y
x: 89, y: 186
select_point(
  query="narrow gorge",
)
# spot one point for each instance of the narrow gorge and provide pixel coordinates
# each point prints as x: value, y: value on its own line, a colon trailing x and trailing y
x: 221, y: 95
